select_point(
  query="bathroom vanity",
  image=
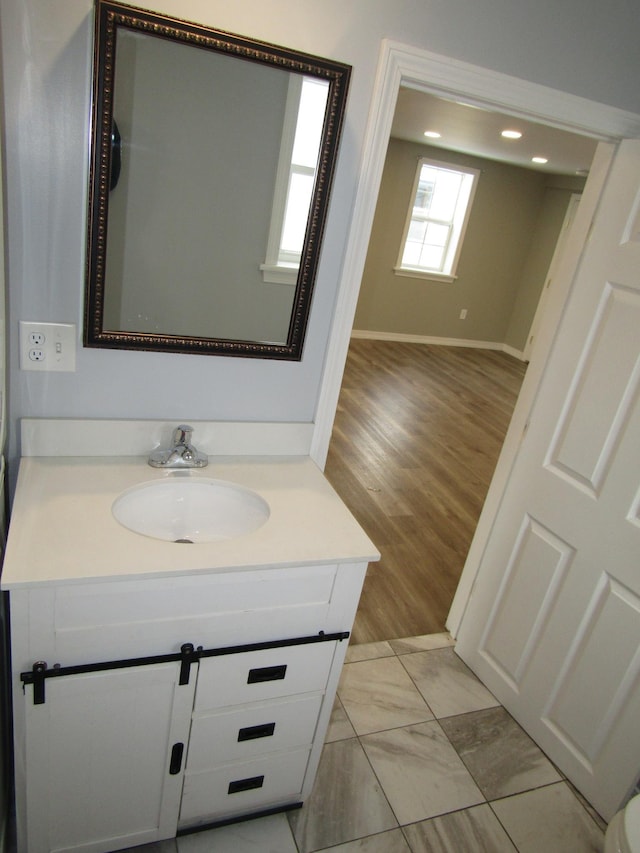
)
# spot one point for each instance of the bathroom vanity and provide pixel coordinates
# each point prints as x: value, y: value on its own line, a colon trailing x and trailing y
x: 160, y: 687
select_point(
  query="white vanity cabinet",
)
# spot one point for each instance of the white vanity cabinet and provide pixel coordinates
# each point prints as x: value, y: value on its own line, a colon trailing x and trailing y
x: 175, y: 686
x: 165, y: 705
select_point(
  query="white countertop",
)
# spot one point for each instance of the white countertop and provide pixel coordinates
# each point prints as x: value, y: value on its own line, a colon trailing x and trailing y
x: 62, y: 528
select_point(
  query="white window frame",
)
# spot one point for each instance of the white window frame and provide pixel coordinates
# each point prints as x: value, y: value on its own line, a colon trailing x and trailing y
x: 281, y: 267
x: 457, y: 226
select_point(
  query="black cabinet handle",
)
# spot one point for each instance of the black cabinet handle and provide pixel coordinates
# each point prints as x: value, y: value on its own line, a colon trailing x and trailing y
x: 266, y: 673
x: 176, y: 759
x: 245, y: 784
x: 255, y: 732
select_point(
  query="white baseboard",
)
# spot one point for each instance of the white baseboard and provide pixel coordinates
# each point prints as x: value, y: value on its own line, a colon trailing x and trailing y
x: 516, y: 353
x: 429, y: 339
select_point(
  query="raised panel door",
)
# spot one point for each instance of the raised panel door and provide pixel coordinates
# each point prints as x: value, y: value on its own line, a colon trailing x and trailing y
x: 553, y: 623
x: 98, y: 755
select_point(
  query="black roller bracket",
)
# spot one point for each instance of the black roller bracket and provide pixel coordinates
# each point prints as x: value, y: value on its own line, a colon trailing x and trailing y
x: 38, y: 672
x: 188, y: 655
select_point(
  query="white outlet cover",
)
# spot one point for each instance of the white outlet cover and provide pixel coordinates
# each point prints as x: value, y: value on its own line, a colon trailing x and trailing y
x: 58, y: 346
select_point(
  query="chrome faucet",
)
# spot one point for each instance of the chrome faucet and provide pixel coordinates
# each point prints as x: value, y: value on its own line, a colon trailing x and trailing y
x: 182, y: 454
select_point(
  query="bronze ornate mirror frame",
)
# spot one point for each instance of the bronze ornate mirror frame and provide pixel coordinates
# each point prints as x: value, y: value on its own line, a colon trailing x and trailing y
x: 110, y: 17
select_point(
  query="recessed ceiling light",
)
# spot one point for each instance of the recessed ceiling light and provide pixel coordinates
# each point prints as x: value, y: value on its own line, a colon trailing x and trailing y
x: 432, y: 134
x: 539, y: 160
x: 511, y: 134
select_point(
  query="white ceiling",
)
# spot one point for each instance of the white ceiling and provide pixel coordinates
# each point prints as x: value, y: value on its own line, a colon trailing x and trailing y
x: 476, y: 131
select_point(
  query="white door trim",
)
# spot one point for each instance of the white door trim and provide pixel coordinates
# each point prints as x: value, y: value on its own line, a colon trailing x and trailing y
x: 404, y: 65
x: 572, y: 207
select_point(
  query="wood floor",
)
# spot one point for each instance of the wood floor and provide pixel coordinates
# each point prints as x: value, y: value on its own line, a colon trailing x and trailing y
x: 416, y: 438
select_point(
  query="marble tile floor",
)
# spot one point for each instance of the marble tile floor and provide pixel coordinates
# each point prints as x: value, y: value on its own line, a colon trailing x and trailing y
x: 420, y: 758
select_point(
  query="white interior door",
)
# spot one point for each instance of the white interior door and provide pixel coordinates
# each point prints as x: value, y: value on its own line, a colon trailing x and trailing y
x: 553, y: 623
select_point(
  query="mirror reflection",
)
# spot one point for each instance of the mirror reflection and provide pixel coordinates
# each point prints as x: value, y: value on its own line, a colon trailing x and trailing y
x: 212, y: 160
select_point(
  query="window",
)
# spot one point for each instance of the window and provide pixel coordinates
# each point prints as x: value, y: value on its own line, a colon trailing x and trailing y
x: 299, y: 151
x: 437, y: 218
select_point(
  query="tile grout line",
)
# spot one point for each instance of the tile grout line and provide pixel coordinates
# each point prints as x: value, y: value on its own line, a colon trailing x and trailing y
x: 399, y: 656
x: 562, y: 780
x: 364, y: 751
x: 396, y: 728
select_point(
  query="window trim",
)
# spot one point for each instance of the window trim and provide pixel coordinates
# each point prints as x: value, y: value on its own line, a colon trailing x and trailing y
x: 280, y: 266
x: 412, y: 272
x: 272, y: 269
x: 436, y: 275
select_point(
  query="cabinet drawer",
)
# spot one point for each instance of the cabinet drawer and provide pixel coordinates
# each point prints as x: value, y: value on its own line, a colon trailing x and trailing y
x: 243, y: 787
x: 264, y: 674
x: 83, y: 623
x: 242, y: 733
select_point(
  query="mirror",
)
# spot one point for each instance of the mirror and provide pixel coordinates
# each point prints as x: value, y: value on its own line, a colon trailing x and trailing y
x: 211, y: 165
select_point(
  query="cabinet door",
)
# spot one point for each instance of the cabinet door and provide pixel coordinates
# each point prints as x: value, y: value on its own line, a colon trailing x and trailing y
x: 101, y: 767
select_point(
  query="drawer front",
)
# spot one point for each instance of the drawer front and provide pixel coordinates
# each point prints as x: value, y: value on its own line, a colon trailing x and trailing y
x: 260, y: 675
x: 242, y: 733
x: 243, y: 787
x: 81, y: 623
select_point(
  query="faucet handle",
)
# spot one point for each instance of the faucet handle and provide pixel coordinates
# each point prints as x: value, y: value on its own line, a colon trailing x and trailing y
x: 182, y: 434
x: 182, y: 454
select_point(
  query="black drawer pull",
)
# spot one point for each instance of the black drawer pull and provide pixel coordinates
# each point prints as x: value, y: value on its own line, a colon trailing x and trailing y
x: 266, y: 673
x: 245, y: 784
x: 255, y: 732
x: 176, y: 759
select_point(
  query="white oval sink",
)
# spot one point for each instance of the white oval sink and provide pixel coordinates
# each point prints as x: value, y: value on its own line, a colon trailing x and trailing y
x: 190, y: 510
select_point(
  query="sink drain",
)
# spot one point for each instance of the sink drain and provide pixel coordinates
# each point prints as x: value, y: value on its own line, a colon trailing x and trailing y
x: 188, y: 541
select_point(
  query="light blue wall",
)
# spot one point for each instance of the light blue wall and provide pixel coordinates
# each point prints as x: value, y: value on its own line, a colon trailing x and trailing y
x: 584, y: 47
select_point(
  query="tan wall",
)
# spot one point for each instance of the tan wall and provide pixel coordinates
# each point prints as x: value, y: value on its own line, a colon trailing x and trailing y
x: 507, y: 249
x: 536, y: 263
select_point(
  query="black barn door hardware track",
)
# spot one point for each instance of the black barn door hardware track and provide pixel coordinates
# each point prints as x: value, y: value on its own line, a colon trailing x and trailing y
x: 187, y: 655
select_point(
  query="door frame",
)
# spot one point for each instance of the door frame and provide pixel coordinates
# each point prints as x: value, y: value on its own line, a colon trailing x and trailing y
x: 574, y: 201
x: 403, y: 65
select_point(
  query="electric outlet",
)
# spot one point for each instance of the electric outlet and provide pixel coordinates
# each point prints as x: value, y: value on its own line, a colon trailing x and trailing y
x: 463, y: 314
x: 47, y: 346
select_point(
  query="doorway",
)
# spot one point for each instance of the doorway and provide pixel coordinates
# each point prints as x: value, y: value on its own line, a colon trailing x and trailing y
x: 402, y: 65
x: 417, y: 435
x: 419, y: 426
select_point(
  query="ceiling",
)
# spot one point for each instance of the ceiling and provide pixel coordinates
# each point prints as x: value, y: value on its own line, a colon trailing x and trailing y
x: 476, y: 131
